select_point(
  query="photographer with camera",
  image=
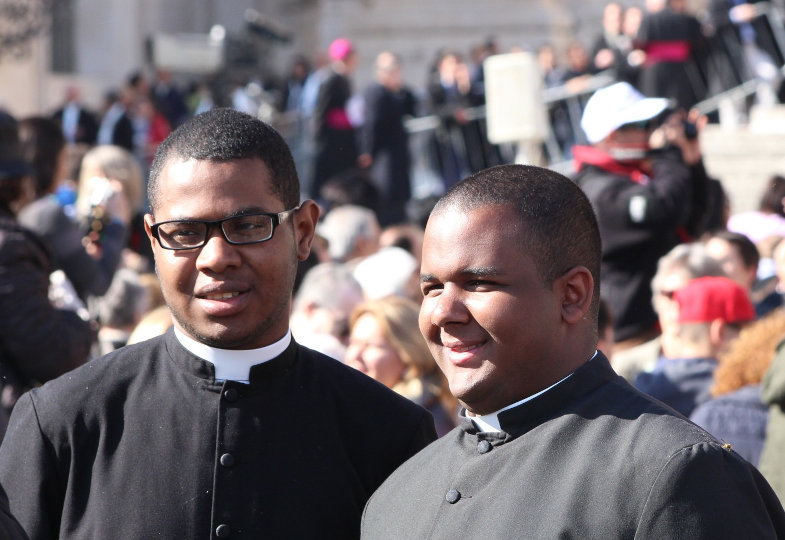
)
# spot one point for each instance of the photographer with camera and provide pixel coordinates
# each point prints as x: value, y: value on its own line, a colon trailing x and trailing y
x: 645, y: 179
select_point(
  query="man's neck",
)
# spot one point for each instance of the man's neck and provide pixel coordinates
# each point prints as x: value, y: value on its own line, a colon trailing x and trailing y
x: 490, y: 422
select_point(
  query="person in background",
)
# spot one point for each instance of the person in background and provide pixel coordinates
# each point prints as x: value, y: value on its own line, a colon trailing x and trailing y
x: 578, y: 64
x: 385, y: 343
x: 391, y: 271
x: 78, y: 124
x: 673, y: 42
x: 228, y: 230
x: 558, y: 113
x: 154, y: 323
x: 336, y: 146
x: 458, y: 145
x: 89, y: 271
x: 168, y: 99
x: 675, y: 269
x: 116, y: 126
x: 38, y: 342
x: 109, y: 196
x: 772, y: 460
x: 322, y: 306
x: 737, y: 255
x: 120, y: 310
x: 352, y: 233
x: 152, y: 128
x: 769, y: 219
x: 750, y: 44
x: 740, y: 258
x: 384, y: 141
x: 735, y: 412
x: 644, y: 197
x: 606, y: 52
x: 406, y: 236
x: 711, y: 313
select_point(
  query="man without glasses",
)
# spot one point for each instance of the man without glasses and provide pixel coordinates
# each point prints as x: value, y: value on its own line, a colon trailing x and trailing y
x: 223, y: 427
x: 554, y: 444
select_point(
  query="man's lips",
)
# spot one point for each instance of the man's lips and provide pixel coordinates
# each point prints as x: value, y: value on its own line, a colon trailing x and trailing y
x: 220, y: 296
x: 462, y: 353
x: 223, y: 301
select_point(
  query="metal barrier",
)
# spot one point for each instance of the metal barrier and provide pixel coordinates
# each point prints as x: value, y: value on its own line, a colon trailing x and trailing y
x: 565, y: 105
x: 427, y: 178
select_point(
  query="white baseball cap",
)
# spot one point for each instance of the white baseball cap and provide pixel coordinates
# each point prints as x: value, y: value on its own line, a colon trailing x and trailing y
x: 616, y: 105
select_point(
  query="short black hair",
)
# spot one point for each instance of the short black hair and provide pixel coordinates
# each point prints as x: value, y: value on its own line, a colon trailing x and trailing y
x: 222, y: 135
x: 42, y: 141
x: 560, y: 228
x: 771, y: 200
x: 747, y: 250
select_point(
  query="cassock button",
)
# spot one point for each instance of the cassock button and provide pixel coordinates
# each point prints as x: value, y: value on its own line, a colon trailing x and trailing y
x: 484, y: 447
x: 223, y: 531
x: 230, y: 394
x: 453, y: 496
x: 227, y: 460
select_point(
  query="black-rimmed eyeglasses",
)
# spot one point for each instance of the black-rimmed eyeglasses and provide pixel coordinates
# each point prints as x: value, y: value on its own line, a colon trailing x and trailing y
x: 238, y: 230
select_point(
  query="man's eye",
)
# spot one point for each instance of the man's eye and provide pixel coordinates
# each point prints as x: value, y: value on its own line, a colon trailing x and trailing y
x: 430, y: 289
x: 185, y: 232
x: 248, y: 226
x: 182, y: 230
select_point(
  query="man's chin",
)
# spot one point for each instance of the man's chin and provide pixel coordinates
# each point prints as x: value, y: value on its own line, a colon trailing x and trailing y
x: 219, y: 337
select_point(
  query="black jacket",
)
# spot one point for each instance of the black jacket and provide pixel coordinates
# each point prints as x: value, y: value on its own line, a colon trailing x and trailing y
x: 143, y: 443
x: 590, y: 458
x: 640, y: 220
x: 37, y: 341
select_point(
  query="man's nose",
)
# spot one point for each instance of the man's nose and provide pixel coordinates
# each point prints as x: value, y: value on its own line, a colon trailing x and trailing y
x: 217, y: 253
x: 448, y: 308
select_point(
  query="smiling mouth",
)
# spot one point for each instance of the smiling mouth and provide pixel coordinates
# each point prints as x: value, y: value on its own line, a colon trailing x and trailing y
x: 221, y: 296
x: 465, y: 348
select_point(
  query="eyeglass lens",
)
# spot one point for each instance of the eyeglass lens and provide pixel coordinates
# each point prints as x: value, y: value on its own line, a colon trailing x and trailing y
x: 238, y: 230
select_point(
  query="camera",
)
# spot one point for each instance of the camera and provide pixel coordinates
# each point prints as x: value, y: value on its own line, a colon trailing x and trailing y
x: 690, y: 129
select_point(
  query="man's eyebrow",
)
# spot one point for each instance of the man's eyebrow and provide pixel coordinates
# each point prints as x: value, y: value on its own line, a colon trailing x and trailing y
x: 239, y: 212
x: 427, y: 277
x: 482, y: 271
x: 248, y: 210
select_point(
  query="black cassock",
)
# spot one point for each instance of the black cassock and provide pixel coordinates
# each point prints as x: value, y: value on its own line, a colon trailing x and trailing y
x: 143, y: 443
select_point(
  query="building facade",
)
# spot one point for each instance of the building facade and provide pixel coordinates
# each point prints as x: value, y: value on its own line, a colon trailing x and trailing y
x: 98, y: 43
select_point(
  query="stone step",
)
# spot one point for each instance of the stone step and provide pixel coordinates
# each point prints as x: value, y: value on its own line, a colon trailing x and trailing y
x: 745, y: 158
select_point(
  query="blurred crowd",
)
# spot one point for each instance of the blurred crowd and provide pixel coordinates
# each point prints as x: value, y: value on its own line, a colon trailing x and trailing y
x: 693, y: 296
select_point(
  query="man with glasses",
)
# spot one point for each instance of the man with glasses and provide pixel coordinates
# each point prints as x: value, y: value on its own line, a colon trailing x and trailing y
x: 223, y: 427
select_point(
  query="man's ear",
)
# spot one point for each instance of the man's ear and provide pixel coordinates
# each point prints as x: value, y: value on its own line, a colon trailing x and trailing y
x: 305, y: 227
x: 717, y: 332
x: 577, y: 290
x: 148, y: 222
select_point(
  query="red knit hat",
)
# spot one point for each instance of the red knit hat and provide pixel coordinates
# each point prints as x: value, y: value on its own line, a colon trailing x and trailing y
x: 709, y: 298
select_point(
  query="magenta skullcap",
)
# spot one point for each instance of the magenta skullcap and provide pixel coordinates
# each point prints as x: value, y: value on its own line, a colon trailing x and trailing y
x: 341, y: 48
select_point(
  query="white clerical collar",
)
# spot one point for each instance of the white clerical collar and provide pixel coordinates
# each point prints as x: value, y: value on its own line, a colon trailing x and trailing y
x: 233, y: 365
x: 490, y: 422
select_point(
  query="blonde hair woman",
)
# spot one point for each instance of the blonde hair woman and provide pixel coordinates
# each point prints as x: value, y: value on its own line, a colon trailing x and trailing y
x: 385, y: 343
x: 110, y: 178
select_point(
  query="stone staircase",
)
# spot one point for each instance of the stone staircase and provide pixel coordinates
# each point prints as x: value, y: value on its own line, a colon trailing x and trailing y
x: 744, y: 157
